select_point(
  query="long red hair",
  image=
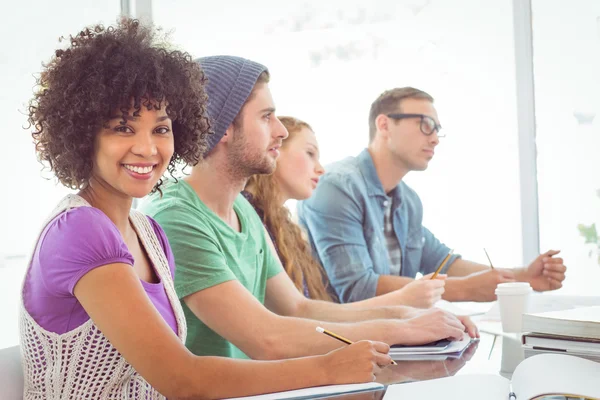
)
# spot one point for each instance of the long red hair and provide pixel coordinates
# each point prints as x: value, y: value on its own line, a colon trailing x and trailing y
x: 294, y: 251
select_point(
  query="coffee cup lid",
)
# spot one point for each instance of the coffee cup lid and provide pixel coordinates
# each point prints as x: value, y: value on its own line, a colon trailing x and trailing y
x: 513, y: 288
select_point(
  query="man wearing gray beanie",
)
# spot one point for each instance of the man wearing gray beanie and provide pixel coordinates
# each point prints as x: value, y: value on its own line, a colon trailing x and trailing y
x: 237, y: 299
x: 230, y: 82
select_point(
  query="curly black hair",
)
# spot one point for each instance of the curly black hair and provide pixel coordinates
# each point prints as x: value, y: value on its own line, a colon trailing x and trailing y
x: 108, y: 69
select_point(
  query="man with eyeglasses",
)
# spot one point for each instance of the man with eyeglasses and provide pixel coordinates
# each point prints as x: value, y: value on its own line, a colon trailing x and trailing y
x: 365, y: 223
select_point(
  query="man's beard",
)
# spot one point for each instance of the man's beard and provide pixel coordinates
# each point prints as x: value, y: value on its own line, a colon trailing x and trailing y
x: 245, y: 162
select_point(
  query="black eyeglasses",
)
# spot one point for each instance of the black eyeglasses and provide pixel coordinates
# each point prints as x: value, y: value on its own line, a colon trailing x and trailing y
x: 428, y: 124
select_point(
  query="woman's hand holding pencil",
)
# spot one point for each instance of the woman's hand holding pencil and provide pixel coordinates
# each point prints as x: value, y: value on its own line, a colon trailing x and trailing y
x: 362, y: 360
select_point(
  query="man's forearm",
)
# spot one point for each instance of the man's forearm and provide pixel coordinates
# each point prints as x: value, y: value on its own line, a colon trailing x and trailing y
x: 456, y: 290
x: 297, y: 337
x: 457, y: 283
x: 520, y: 274
x: 387, y: 300
x: 462, y: 267
x: 351, y: 312
x: 389, y: 283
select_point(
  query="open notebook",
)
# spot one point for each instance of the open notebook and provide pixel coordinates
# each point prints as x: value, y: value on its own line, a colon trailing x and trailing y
x: 538, y: 376
x: 319, y: 391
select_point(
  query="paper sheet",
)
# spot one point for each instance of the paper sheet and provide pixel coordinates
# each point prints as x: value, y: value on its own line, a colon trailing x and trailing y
x: 555, y: 374
x: 469, y: 308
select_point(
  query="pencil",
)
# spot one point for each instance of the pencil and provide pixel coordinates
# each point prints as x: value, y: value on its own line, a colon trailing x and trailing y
x: 488, y: 257
x: 340, y: 338
x: 442, y: 264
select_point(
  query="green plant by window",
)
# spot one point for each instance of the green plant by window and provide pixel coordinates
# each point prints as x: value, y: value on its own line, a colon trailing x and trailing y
x: 590, y: 235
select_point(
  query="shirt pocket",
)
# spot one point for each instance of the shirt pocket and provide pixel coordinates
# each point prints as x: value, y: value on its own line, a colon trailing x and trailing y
x: 377, y: 247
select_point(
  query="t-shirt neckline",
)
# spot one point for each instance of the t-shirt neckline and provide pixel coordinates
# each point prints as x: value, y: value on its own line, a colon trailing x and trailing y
x: 241, y: 217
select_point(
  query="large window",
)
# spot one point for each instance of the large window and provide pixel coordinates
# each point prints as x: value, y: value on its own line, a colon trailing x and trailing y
x: 566, y: 44
x: 30, y: 33
x: 330, y: 60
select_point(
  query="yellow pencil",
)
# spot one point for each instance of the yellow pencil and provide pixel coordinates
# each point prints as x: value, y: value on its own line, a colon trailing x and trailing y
x: 340, y: 338
x: 442, y: 264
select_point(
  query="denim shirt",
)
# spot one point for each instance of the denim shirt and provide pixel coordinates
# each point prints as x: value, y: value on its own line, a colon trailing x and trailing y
x: 344, y: 219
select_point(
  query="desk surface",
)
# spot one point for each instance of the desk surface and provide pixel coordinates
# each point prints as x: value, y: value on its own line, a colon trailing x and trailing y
x: 482, y: 357
x: 495, y: 353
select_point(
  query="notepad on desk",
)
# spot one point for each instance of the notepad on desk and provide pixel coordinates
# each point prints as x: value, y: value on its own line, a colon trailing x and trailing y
x: 315, y: 392
x: 542, y: 375
x: 433, y: 350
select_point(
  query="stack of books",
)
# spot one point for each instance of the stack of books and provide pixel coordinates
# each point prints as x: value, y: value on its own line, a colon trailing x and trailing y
x: 574, y: 332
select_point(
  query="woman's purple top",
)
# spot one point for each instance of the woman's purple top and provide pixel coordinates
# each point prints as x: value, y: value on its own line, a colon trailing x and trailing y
x: 72, y: 244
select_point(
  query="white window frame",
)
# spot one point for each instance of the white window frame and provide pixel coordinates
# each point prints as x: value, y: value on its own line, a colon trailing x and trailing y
x: 523, y: 37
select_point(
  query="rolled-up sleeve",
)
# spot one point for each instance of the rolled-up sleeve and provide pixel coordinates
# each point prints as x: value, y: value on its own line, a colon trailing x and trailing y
x: 434, y: 253
x: 334, y: 221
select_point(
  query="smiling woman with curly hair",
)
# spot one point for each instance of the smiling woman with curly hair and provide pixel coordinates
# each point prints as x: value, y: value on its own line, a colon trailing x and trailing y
x: 100, y: 318
x: 107, y: 73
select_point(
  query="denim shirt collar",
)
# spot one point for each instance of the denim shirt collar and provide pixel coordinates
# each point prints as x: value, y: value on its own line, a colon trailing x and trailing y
x: 372, y: 181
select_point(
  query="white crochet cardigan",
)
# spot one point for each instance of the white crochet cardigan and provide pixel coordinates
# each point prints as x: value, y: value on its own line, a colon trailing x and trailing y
x: 82, y: 364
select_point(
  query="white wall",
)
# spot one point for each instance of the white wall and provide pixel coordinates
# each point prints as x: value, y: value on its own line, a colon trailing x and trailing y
x: 30, y: 30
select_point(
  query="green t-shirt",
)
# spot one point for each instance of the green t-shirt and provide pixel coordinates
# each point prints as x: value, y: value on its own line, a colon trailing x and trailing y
x: 209, y: 252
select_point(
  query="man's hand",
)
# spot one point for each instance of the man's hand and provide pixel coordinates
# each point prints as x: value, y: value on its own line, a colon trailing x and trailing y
x: 422, y: 293
x: 545, y: 273
x: 470, y: 326
x: 431, y: 325
x: 480, y: 286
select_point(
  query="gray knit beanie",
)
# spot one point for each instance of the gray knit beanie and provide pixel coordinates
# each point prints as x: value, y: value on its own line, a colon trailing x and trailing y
x: 230, y: 82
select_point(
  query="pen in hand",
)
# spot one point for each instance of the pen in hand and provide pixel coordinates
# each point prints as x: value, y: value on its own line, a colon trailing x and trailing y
x: 488, y: 257
x: 340, y: 338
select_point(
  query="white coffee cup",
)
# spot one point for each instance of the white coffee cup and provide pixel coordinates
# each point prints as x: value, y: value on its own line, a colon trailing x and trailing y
x: 513, y: 299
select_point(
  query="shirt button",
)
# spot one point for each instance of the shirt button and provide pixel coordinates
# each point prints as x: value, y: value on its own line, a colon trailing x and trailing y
x: 385, y: 203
